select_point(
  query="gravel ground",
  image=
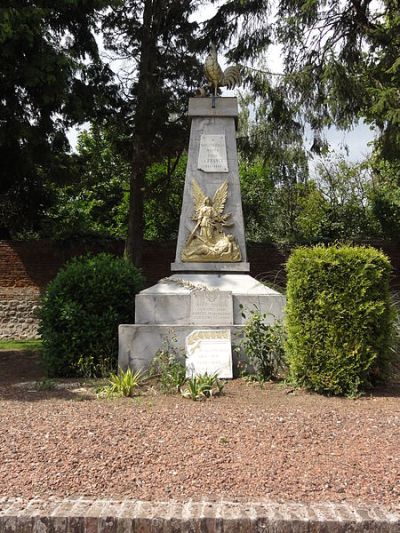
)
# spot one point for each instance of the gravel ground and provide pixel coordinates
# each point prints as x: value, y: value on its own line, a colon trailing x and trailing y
x: 250, y: 443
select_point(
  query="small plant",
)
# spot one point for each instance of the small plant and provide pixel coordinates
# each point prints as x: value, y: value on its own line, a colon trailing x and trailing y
x: 264, y: 347
x: 202, y: 387
x: 101, y: 365
x: 45, y: 384
x: 170, y: 371
x: 122, y: 384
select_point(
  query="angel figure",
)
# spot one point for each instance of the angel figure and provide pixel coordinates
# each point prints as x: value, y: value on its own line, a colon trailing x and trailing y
x: 207, y: 241
x: 206, y: 216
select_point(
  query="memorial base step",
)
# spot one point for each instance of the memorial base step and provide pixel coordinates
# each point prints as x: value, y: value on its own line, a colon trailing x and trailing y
x: 139, y: 343
x: 176, y: 306
x: 169, y: 301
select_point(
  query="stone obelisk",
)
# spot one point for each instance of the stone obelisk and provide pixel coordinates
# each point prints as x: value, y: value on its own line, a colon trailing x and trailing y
x: 212, y: 174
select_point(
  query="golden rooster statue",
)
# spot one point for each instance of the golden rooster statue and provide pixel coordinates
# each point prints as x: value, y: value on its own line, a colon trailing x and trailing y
x: 216, y: 76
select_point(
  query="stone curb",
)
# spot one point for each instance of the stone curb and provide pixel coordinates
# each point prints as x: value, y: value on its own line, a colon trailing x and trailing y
x: 85, y: 515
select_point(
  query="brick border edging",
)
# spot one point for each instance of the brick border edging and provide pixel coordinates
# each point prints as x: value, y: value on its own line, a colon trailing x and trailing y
x: 127, y: 516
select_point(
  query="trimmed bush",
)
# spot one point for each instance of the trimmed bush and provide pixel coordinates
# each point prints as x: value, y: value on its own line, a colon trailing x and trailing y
x: 339, y: 318
x: 80, y: 313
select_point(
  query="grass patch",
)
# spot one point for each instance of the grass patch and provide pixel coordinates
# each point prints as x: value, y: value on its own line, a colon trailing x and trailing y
x: 45, y: 384
x: 32, y: 344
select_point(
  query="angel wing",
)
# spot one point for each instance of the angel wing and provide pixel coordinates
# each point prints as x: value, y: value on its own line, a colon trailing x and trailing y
x: 198, y: 196
x: 220, y: 196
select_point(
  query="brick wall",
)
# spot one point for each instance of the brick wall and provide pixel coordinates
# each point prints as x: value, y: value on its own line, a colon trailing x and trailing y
x: 125, y: 516
x: 27, y: 267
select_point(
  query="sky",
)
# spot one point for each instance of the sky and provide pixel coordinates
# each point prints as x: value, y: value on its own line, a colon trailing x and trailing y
x: 353, y: 144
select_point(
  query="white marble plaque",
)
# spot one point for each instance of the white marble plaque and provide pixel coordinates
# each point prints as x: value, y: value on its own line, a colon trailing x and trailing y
x: 209, y: 351
x: 212, y: 154
x: 211, y: 308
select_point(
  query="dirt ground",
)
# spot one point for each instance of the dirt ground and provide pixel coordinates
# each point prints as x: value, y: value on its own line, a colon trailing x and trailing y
x: 252, y: 443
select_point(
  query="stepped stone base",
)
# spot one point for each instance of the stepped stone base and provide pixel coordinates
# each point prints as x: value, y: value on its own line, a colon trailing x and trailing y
x: 138, y: 344
x: 163, y: 313
x: 243, y: 266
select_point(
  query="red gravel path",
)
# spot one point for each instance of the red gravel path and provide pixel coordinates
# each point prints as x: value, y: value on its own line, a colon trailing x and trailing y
x: 250, y: 443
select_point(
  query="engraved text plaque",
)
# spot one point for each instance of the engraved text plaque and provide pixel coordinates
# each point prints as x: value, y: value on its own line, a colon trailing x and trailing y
x: 209, y: 352
x: 211, y: 308
x: 212, y: 154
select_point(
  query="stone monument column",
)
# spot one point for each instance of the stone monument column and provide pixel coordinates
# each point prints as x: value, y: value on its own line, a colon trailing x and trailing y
x: 212, y: 166
x: 201, y: 304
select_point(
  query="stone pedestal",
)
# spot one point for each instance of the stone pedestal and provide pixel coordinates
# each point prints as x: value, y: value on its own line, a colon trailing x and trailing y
x: 203, y: 294
x: 164, y: 312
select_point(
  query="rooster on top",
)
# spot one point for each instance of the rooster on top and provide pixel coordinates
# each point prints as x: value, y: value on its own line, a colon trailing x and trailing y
x: 216, y: 77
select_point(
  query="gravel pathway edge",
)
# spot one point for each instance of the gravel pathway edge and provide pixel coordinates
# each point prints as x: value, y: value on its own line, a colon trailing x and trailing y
x: 126, y: 516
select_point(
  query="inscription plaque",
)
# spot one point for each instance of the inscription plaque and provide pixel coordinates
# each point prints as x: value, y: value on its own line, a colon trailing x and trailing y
x: 209, y: 351
x: 211, y: 308
x: 212, y: 154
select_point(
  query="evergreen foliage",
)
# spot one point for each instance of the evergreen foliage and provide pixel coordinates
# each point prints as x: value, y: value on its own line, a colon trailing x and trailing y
x: 345, y: 201
x: 51, y: 77
x: 339, y: 318
x: 341, y: 63
x: 161, y: 36
x: 341, y: 60
x: 80, y: 313
x: 384, y: 195
x: 96, y: 205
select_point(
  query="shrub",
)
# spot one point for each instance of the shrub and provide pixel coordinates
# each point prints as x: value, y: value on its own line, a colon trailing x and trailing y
x: 80, y: 313
x: 339, y: 318
x: 263, y: 345
x: 170, y: 372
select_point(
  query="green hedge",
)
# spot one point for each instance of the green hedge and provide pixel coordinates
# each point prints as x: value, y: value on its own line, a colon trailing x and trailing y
x: 339, y: 318
x: 80, y: 313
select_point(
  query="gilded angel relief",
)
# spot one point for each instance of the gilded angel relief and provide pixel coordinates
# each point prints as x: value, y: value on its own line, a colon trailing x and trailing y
x: 207, y: 241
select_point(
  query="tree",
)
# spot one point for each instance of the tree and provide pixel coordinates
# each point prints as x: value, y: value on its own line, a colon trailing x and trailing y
x: 96, y: 205
x: 274, y: 166
x: 51, y: 77
x: 345, y: 188
x: 384, y: 195
x: 341, y: 58
x: 343, y: 202
x: 345, y: 58
x: 163, y: 200
x: 161, y: 40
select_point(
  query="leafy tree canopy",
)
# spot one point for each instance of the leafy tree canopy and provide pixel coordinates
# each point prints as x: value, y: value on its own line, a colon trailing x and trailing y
x: 158, y: 39
x: 341, y: 58
x: 50, y: 78
x: 96, y: 205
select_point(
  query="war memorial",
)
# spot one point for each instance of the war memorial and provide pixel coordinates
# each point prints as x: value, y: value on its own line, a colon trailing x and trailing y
x: 201, y: 303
